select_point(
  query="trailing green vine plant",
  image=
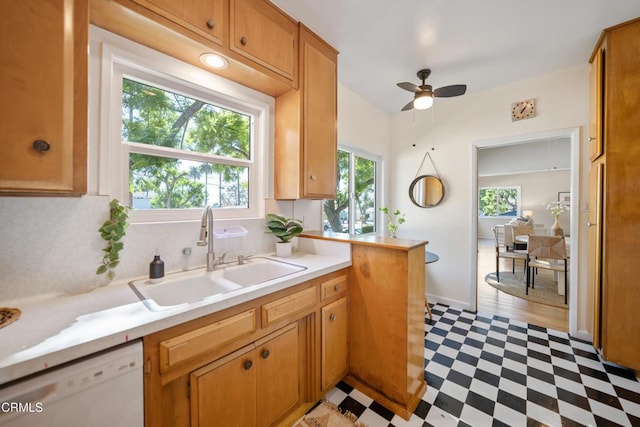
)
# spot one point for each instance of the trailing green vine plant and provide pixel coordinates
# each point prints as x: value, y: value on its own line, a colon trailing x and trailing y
x: 112, y: 231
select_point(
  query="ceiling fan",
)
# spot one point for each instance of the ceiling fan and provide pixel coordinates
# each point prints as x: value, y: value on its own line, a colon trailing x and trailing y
x: 424, y: 94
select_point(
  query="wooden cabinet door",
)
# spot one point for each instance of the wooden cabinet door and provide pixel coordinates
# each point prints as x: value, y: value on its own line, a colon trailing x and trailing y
x: 596, y: 94
x: 319, y: 85
x: 278, y: 374
x: 596, y: 175
x: 205, y: 17
x: 43, y: 81
x: 261, y: 32
x: 334, y: 342
x: 223, y: 393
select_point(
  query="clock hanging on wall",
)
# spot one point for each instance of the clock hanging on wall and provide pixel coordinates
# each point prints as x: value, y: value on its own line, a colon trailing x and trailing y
x: 523, y: 110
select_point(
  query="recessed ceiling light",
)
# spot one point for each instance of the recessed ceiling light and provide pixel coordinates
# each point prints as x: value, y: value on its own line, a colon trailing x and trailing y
x: 214, y: 60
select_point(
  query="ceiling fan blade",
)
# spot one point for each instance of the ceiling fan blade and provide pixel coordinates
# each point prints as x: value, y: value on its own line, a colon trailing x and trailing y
x: 408, y: 107
x: 449, y: 91
x: 410, y: 87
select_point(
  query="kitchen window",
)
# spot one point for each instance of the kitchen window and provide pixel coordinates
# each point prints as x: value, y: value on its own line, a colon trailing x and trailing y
x: 177, y: 138
x: 354, y: 210
x: 498, y: 202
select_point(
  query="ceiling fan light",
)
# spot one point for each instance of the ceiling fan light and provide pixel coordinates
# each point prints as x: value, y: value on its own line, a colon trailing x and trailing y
x: 423, y: 101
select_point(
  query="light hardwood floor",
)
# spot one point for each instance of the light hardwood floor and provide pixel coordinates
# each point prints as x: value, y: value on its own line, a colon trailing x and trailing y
x: 492, y: 301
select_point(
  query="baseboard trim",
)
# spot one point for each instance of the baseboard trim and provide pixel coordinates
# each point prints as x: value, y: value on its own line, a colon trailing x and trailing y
x: 448, y: 301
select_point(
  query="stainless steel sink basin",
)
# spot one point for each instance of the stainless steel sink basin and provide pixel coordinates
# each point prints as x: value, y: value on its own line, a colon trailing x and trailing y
x: 197, y: 285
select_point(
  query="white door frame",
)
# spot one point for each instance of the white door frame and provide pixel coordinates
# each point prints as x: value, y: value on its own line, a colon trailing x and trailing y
x: 574, y: 135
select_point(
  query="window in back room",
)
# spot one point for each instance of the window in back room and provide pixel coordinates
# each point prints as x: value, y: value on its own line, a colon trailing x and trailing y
x: 498, y: 202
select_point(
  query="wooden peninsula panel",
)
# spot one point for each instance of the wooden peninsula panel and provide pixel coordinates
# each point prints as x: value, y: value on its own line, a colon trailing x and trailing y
x: 386, y: 318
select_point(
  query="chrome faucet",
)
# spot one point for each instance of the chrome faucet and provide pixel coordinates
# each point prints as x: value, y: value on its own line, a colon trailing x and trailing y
x: 206, y: 232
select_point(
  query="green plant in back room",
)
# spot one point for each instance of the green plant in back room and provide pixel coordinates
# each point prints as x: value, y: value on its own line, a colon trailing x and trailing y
x: 112, y: 231
x: 394, y: 220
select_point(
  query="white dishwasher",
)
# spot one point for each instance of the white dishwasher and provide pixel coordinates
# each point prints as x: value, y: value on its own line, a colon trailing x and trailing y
x: 101, y: 390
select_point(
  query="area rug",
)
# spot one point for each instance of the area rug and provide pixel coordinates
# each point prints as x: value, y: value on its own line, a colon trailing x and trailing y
x: 545, y: 292
x: 326, y: 414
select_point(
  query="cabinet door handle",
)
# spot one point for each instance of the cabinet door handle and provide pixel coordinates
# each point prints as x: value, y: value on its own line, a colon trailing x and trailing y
x: 41, y: 145
x: 313, y: 177
x: 591, y: 138
x: 337, y: 288
x: 332, y: 317
x: 248, y: 364
x: 243, y: 40
x: 210, y: 24
x: 591, y: 224
x: 265, y: 353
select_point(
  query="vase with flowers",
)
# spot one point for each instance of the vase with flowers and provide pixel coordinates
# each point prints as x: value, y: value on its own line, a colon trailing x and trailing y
x: 556, y: 209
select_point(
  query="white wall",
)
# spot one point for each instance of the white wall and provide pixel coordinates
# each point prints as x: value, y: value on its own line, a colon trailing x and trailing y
x: 450, y: 128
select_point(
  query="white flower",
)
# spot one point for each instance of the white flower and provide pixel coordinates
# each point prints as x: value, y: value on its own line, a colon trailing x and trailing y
x: 556, y: 208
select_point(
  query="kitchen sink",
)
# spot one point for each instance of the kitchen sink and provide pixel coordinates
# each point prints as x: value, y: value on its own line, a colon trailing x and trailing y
x: 257, y: 270
x: 197, y: 285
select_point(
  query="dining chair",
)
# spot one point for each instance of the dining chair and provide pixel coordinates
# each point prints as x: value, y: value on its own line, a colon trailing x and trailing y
x: 547, y: 252
x: 507, y: 254
x: 521, y: 230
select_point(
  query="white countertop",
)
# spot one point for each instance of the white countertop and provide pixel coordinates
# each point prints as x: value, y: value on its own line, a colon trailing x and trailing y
x: 57, y: 329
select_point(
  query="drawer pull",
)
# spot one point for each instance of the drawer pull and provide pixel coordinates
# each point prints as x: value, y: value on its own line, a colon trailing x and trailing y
x: 337, y: 288
x: 265, y: 353
x: 332, y: 317
x: 248, y: 364
x: 41, y: 145
x: 210, y: 24
x: 243, y: 40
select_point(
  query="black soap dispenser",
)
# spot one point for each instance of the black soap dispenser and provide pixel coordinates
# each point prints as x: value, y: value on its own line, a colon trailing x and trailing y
x: 156, y: 268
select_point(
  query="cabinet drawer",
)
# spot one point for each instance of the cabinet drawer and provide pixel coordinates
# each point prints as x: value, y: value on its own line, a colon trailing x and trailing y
x: 333, y: 287
x: 283, y: 307
x: 176, y: 350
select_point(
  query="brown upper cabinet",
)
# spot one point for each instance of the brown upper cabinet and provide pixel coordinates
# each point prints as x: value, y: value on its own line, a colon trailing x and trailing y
x: 306, y: 125
x: 43, y: 80
x: 259, y: 41
x: 207, y: 18
x: 596, y: 104
x: 262, y: 33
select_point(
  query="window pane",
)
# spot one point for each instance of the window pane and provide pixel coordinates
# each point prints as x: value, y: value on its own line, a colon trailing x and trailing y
x: 335, y: 213
x: 154, y: 116
x: 365, y: 195
x: 165, y: 183
x: 498, y: 202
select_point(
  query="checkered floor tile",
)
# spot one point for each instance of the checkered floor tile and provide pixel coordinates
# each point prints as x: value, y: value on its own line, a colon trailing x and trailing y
x: 492, y: 371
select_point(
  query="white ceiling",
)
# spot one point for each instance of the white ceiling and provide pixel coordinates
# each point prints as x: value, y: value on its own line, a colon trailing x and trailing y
x: 483, y: 44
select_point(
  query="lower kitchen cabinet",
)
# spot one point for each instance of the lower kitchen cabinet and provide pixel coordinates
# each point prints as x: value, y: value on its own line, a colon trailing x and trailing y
x: 253, y: 386
x: 334, y: 342
x: 257, y: 364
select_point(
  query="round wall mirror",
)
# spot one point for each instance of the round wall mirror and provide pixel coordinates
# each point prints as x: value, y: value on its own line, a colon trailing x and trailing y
x: 426, y: 191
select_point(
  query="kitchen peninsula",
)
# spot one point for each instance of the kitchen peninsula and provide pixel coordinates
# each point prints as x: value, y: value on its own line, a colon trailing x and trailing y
x: 386, y: 317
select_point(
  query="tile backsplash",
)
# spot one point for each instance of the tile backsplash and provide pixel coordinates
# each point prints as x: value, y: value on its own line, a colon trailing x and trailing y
x: 52, y: 245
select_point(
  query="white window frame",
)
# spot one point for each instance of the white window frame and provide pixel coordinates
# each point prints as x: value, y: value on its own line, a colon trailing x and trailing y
x: 502, y: 187
x: 120, y: 58
x: 353, y: 152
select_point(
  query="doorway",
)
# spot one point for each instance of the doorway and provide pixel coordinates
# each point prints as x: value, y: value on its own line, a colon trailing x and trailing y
x: 528, y: 168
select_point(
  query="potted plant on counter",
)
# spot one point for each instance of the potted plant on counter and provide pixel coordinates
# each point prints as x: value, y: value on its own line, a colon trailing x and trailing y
x: 284, y: 229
